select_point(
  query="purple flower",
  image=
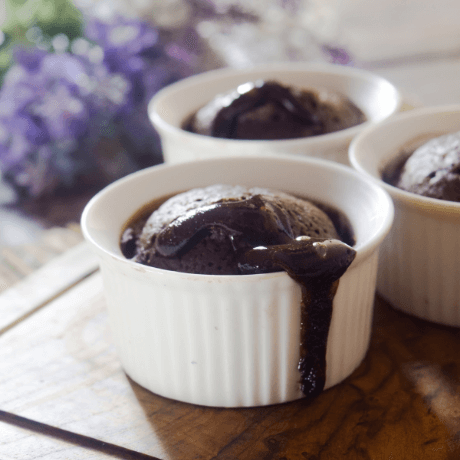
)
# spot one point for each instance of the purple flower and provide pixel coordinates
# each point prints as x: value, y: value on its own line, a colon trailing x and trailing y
x: 129, y: 47
x: 33, y: 128
x: 127, y: 37
x: 53, y: 110
x: 30, y: 61
x: 337, y: 55
x: 134, y: 49
x: 61, y: 113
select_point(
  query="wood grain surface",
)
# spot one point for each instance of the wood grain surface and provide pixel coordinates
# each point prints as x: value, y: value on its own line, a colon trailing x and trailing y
x: 47, y: 282
x: 27, y: 440
x: 61, y: 372
x: 64, y: 394
x: 19, y: 261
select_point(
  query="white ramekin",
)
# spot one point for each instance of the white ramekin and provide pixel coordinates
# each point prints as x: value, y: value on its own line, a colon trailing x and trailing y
x: 419, y: 269
x: 374, y: 95
x: 233, y: 341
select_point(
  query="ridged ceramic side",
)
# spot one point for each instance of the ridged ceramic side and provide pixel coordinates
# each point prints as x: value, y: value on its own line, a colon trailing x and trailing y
x: 233, y: 341
x: 419, y: 270
x: 420, y: 267
x: 233, y: 344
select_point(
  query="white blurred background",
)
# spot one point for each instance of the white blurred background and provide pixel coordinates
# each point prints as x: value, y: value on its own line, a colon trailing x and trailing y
x: 414, y: 43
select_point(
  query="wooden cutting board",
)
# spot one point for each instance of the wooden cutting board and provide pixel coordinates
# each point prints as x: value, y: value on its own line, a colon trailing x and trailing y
x: 63, y: 392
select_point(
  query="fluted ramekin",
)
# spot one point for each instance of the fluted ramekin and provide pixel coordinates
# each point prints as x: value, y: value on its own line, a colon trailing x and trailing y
x: 419, y: 270
x: 170, y: 107
x: 233, y: 341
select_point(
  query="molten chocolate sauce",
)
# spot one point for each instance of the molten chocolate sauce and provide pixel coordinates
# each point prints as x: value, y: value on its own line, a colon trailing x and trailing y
x: 264, y: 242
x: 316, y: 264
x: 289, y: 118
x: 267, y: 110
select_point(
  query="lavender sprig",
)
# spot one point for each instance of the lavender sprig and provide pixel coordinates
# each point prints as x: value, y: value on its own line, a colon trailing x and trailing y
x: 52, y: 113
x: 61, y: 113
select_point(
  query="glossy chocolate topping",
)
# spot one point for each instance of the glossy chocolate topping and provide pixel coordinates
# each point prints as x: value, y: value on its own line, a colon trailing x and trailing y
x: 316, y: 264
x: 267, y: 110
x: 263, y: 236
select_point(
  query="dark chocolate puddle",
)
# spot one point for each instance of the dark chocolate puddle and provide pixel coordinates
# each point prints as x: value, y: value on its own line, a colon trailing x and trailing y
x: 316, y: 264
x: 264, y: 241
x: 227, y: 123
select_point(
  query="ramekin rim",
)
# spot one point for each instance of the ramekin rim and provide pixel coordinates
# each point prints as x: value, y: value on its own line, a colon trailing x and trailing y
x: 363, y: 251
x: 281, y: 66
x: 409, y: 198
x: 335, y: 69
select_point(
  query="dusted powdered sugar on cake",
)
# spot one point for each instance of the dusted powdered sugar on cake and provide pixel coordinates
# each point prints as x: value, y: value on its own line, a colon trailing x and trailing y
x: 433, y: 170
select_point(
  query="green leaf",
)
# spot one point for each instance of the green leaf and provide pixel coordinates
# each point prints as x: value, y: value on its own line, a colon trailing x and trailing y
x: 51, y: 16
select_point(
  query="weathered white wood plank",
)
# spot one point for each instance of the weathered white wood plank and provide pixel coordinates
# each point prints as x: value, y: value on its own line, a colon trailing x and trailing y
x: 38, y: 288
x: 60, y: 368
x: 18, y: 443
x: 19, y: 260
